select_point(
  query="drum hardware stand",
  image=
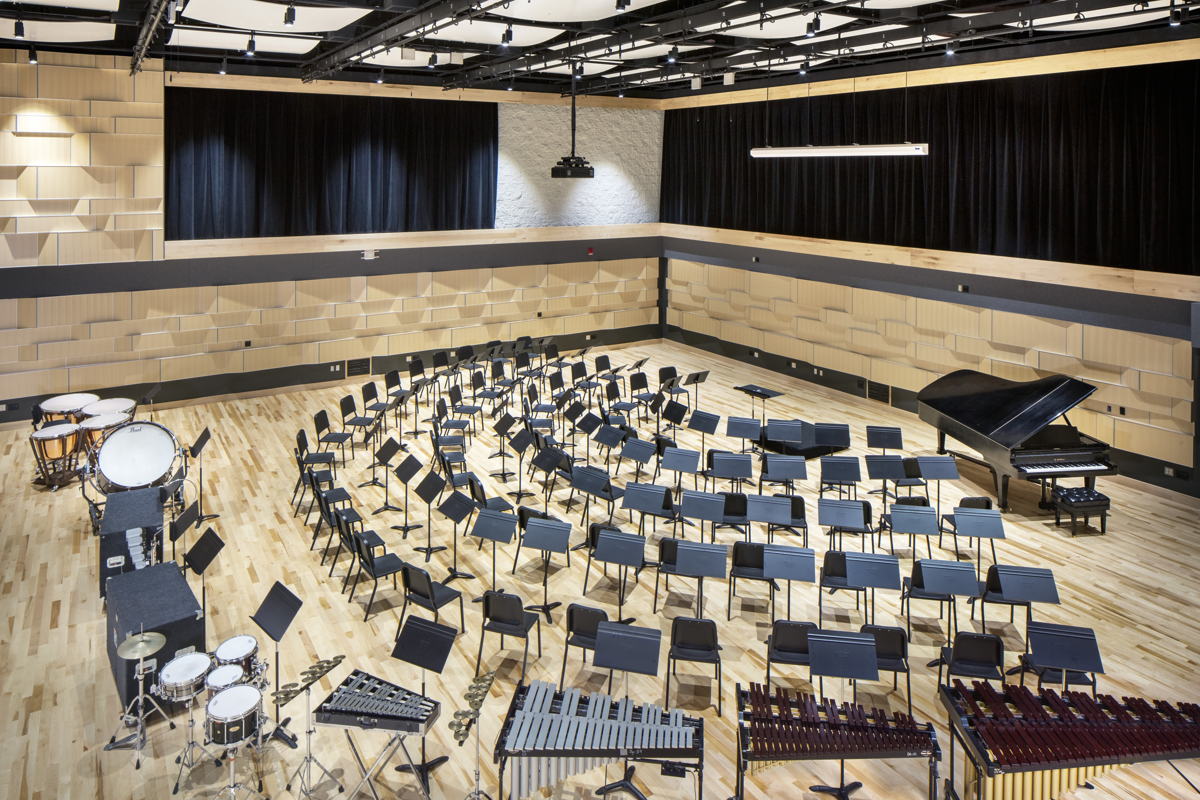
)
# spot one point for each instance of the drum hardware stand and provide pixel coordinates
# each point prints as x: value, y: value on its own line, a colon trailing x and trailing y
x: 197, y: 452
x: 188, y: 759
x: 140, y: 645
x: 369, y: 437
x: 148, y: 398
x: 233, y: 789
x: 285, y: 695
x: 463, y: 721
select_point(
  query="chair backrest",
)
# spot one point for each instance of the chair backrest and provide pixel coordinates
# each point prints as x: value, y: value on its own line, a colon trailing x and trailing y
x: 477, y: 381
x: 666, y: 373
x: 416, y: 367
x: 638, y: 382
x: 890, y: 641
x: 694, y: 634
x: 441, y: 359
x: 321, y: 422
x: 594, y: 530
x: 603, y: 363
x: 302, y: 442
x: 791, y: 636
x: 975, y: 502
x: 912, y: 500
x: 476, y: 489
x: 735, y: 504
x: 584, y: 620
x: 370, y: 393
x: 465, y: 353
x: 748, y: 554
x: 349, y: 409
x: 497, y: 369
x: 522, y: 359
x: 866, y: 507
x: 983, y: 648
x: 912, y: 468
x: 661, y: 443
x: 441, y: 408
x: 612, y: 392
x: 503, y: 607
x: 668, y: 550
x: 918, y: 576
x: 578, y: 371
x: 531, y: 391
x: 556, y: 381
x: 834, y: 564
x: 992, y: 582
x: 417, y: 581
x: 798, y: 511
x: 391, y: 380
x: 551, y: 352
x: 525, y: 513
x: 455, y: 395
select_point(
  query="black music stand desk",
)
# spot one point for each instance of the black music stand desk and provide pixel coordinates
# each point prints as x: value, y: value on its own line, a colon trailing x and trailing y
x: 428, y: 490
x: 682, y: 462
x: 496, y: 527
x: 1060, y: 650
x: 952, y: 579
x: 406, y: 471
x: 978, y: 523
x: 784, y: 563
x: 851, y: 656
x: 549, y: 536
x: 698, y: 560
x: 873, y: 571
x: 625, y: 550
x: 274, y: 617
x: 704, y: 507
x: 457, y: 507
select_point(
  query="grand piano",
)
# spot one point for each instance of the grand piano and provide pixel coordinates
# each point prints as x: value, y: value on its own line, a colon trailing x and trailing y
x: 1009, y: 424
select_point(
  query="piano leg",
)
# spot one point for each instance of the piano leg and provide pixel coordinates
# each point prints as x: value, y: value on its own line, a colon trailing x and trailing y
x: 1001, y: 490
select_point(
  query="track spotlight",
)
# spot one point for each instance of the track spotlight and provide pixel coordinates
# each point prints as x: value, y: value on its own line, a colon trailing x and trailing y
x: 289, y: 15
x: 506, y: 37
x: 577, y: 71
x: 432, y: 61
x: 728, y: 78
x: 379, y: 77
x: 250, y: 45
x: 809, y: 31
x: 1176, y: 17
x: 697, y: 82
x: 804, y: 68
x: 622, y: 5
x: 224, y: 64
x: 32, y: 55
x: 816, y: 22
x: 673, y: 55
x: 621, y: 94
x: 949, y: 48
x: 18, y: 29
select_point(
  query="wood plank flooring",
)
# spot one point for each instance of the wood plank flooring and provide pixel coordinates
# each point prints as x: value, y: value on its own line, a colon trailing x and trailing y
x: 1137, y: 587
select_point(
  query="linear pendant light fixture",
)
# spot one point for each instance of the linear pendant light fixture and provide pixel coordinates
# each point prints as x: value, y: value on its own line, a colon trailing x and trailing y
x: 815, y: 151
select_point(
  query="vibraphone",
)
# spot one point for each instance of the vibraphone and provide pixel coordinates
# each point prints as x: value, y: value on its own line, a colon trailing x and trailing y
x: 550, y: 735
x: 1023, y: 745
x: 778, y: 726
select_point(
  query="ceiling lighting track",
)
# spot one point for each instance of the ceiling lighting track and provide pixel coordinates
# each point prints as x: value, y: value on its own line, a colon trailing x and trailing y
x: 152, y: 25
x: 841, y: 150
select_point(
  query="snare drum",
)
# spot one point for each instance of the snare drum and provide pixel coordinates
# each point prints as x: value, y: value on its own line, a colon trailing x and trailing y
x: 112, y: 405
x: 222, y: 678
x: 55, y: 449
x: 95, y: 428
x: 241, y: 650
x: 183, y: 677
x: 135, y: 455
x: 66, y: 406
x: 232, y: 716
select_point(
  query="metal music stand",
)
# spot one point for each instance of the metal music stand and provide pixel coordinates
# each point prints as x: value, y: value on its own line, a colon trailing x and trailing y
x: 885, y: 468
x: 629, y: 649
x: 674, y: 412
x: 549, y: 536
x: 842, y: 515
x: 148, y: 398
x: 851, y: 656
x: 791, y: 431
x: 938, y: 468
x: 736, y: 467
x: 608, y: 437
x: 587, y: 424
x: 873, y: 571
x: 383, y: 458
x: 625, y: 550
x: 639, y: 451
x: 757, y: 392
x: 593, y: 482
x: 952, y: 579
x: 520, y: 442
x: 406, y: 471
x: 789, y: 564
x: 645, y: 498
x: 502, y: 427
x: 978, y: 523
x: 428, y: 490
x: 200, y: 557
x: 427, y: 645
x: 832, y: 435
x: 698, y: 560
x: 418, y: 385
x: 196, y: 452
x: 457, y: 507
x: 695, y: 379
x: 914, y: 521
x: 190, y: 517
x: 680, y: 462
x: 496, y: 527
x: 776, y: 512
x: 703, y: 421
x: 884, y: 438
x: 785, y: 469
x: 274, y: 617
x: 747, y: 428
x: 704, y: 507
x: 844, y: 472
x: 547, y: 460
x: 1026, y: 585
x: 1065, y: 648
x: 370, y: 435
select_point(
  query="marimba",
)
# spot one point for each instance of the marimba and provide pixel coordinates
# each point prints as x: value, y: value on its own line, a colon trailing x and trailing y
x: 778, y: 726
x: 550, y: 735
x: 1023, y: 745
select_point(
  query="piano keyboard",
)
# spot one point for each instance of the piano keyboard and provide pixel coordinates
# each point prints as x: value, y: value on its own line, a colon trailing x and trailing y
x: 1066, y: 466
x: 551, y: 735
x: 364, y: 701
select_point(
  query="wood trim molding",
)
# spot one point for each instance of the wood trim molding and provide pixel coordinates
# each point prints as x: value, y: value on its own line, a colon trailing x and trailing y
x: 1086, y: 276
x: 1131, y: 55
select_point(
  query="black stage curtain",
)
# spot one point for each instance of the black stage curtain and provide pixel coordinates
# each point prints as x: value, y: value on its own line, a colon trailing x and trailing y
x: 243, y: 164
x: 1096, y: 167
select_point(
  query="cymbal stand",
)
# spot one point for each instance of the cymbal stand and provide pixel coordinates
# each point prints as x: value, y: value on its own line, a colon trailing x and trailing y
x: 137, y: 740
x: 304, y: 769
x: 188, y: 758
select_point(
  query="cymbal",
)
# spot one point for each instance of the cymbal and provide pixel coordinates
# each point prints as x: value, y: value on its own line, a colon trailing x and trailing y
x: 141, y: 645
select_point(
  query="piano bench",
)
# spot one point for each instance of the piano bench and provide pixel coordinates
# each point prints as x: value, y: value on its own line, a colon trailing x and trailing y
x: 1080, y: 501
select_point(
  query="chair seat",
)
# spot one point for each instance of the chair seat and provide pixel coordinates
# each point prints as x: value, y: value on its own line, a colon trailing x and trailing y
x: 644, y: 397
x: 908, y: 482
x: 624, y: 405
x: 498, y: 504
x: 442, y: 594
x: 336, y: 495
x: 544, y: 408
x: 668, y: 569
x: 334, y: 437
x: 376, y: 407
x: 371, y: 539
x: 322, y: 476
x: 528, y: 620
x: 1053, y: 675
x: 920, y: 593
x: 737, y: 519
x: 998, y: 597
x: 322, y: 457
x: 885, y: 664
x: 971, y: 669
x: 680, y: 653
x: 456, y: 424
x: 384, y: 564
x: 582, y: 640
x: 350, y: 515
x: 400, y: 394
x: 786, y: 656
x: 468, y: 410
x: 750, y: 573
x: 359, y: 422
x: 837, y: 582
x: 489, y: 394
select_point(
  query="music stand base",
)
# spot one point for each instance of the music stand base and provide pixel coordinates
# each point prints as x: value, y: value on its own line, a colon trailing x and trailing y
x: 429, y: 551
x: 423, y: 770
x: 840, y: 792
x: 623, y: 785
x: 545, y: 608
x: 372, y: 482
x: 456, y: 574
x: 502, y: 476
x: 520, y: 495
x: 207, y: 517
x: 281, y: 733
x: 387, y: 507
x: 406, y: 528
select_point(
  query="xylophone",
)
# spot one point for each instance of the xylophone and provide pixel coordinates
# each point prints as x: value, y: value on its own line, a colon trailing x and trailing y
x: 776, y: 726
x: 364, y: 701
x: 1026, y: 745
x: 550, y: 735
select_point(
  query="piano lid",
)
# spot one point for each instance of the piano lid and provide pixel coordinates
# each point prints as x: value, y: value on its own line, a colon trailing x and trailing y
x: 1007, y: 412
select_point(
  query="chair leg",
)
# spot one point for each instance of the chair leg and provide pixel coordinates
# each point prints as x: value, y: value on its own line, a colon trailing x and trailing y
x: 670, y: 669
x: 767, y: 683
x: 524, y: 659
x: 654, y: 604
x: 371, y: 601
x: 562, y: 678
x: 720, y: 691
x: 462, y: 618
x: 403, y: 610
x: 908, y: 689
x: 479, y: 656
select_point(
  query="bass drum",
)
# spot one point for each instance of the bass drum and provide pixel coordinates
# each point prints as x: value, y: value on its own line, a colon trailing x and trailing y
x: 136, y: 455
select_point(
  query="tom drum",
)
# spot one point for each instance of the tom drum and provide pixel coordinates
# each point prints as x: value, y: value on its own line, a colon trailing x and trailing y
x: 183, y: 677
x: 232, y: 716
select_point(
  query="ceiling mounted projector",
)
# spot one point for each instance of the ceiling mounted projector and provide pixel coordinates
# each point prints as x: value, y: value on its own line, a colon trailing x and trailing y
x: 572, y: 166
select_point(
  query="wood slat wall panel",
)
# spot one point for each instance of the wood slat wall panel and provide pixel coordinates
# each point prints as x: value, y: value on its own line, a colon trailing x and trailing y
x: 1144, y: 383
